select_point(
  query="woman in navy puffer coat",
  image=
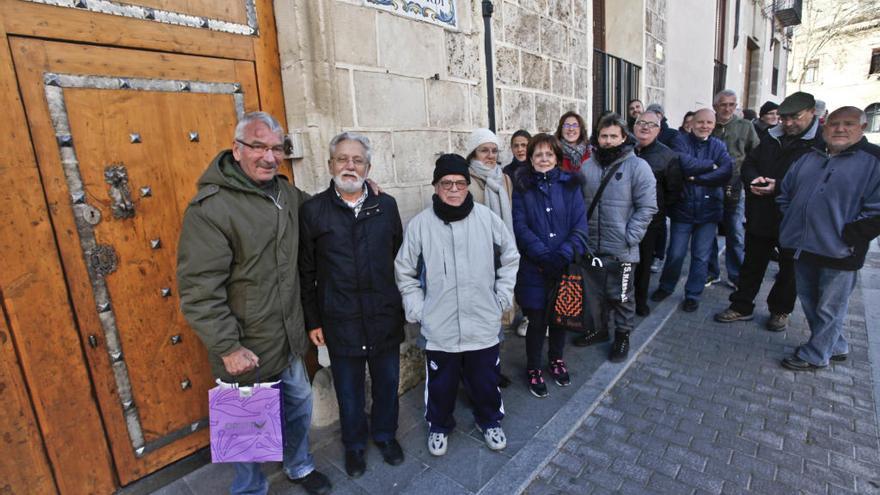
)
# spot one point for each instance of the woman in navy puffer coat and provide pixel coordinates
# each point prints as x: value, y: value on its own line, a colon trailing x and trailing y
x: 550, y: 224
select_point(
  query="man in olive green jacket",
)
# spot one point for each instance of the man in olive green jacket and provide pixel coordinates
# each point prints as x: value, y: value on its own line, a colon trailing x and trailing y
x: 239, y: 286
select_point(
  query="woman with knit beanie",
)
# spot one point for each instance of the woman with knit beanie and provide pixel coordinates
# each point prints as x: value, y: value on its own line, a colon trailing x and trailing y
x: 572, y: 135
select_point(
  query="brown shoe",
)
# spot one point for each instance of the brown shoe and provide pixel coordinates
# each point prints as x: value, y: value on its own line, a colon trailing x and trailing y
x: 777, y: 322
x: 730, y: 315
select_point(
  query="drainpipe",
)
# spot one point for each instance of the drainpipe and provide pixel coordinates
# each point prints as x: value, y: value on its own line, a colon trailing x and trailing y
x: 488, y: 9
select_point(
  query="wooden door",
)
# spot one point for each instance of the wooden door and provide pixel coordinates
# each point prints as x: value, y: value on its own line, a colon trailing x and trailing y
x: 121, y: 137
x: 96, y: 389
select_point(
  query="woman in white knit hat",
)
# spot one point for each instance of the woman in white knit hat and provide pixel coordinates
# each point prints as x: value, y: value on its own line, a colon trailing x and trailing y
x: 492, y: 188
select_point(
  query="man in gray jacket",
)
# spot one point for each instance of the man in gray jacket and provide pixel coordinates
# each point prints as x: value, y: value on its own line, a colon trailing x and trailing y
x: 830, y: 202
x: 618, y: 217
x: 456, y: 270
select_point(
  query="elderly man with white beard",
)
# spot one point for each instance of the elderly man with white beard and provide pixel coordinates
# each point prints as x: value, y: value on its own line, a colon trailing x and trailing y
x: 349, y: 236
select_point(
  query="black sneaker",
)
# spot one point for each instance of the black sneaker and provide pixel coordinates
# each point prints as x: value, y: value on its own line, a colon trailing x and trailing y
x: 690, y: 305
x: 536, y: 384
x: 592, y: 337
x: 620, y: 348
x: 314, y: 483
x: 660, y: 295
x: 712, y: 279
x: 355, y: 464
x: 559, y: 373
x: 642, y: 310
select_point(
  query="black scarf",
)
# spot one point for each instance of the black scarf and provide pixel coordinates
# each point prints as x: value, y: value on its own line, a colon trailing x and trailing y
x: 449, y: 213
x: 607, y: 156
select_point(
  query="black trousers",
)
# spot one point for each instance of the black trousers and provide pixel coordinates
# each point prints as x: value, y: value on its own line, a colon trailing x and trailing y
x: 757, y: 256
x: 646, y: 257
x: 613, y: 287
x: 535, y: 339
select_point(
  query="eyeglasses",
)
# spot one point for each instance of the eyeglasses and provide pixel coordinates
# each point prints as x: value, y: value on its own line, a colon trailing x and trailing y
x: 488, y: 151
x: 645, y: 123
x: 796, y: 116
x: 343, y: 160
x: 446, y: 185
x: 261, y: 148
x: 571, y: 126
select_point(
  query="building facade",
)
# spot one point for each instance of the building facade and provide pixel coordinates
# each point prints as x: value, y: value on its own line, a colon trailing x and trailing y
x: 836, y: 56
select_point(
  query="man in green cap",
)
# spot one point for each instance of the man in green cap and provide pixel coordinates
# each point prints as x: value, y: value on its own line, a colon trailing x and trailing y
x: 796, y: 134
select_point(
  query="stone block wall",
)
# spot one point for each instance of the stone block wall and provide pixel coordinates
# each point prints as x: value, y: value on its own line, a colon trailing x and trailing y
x: 655, y: 52
x: 543, y: 57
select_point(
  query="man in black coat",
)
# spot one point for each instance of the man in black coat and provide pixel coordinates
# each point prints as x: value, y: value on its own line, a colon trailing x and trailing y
x: 762, y: 171
x: 667, y: 172
x: 349, y: 237
x: 667, y: 134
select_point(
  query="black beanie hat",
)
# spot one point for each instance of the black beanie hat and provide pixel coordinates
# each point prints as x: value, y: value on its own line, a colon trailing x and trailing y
x: 768, y: 107
x: 451, y: 164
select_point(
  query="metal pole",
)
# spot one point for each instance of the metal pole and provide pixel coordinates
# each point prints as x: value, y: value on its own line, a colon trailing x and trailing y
x: 488, y: 9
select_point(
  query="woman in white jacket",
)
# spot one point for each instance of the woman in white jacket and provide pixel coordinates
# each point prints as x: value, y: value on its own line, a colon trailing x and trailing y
x: 446, y: 273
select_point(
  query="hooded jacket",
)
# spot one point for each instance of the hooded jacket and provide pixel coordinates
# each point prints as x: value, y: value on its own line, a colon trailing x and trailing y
x: 237, y: 269
x: 460, y: 302
x: 346, y: 264
x: 707, y: 162
x: 772, y: 160
x: 740, y: 138
x: 624, y: 210
x: 549, y: 219
x: 831, y: 206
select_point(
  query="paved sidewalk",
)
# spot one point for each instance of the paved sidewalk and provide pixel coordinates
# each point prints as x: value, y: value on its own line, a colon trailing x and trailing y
x: 707, y: 409
x: 701, y: 407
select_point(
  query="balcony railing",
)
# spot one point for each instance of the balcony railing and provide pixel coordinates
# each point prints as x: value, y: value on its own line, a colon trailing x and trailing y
x: 788, y: 12
x: 615, y: 82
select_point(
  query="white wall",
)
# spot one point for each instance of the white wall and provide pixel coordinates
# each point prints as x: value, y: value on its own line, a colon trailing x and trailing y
x: 625, y: 30
x: 689, y: 57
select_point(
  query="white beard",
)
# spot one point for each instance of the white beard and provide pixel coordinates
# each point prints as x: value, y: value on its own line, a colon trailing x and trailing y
x: 348, y: 186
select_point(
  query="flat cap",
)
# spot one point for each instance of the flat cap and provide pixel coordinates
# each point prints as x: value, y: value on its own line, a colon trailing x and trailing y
x: 796, y: 102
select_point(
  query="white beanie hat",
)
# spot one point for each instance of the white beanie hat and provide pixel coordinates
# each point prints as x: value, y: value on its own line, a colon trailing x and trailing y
x: 481, y: 136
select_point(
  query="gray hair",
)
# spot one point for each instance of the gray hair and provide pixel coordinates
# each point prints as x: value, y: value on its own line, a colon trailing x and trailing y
x: 352, y: 136
x: 723, y: 93
x: 262, y: 117
x: 656, y: 108
x: 863, y: 117
x: 655, y: 112
x: 820, y: 108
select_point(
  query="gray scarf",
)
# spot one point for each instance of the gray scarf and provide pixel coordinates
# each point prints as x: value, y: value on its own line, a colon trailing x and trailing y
x: 496, y: 195
x: 574, y: 153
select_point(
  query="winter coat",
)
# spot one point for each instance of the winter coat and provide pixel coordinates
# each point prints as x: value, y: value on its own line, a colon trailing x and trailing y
x: 237, y: 269
x: 667, y: 174
x: 347, y: 270
x: 831, y: 206
x: 460, y: 304
x: 707, y: 162
x: 740, y: 138
x: 770, y: 159
x: 625, y: 209
x: 514, y: 165
x: 667, y: 134
x: 549, y: 219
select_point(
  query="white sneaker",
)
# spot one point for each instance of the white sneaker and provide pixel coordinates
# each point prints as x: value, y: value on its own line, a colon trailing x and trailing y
x: 494, y: 437
x: 437, y: 443
x: 523, y: 327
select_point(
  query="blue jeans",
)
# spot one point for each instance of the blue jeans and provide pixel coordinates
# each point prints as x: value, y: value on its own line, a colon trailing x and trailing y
x: 297, y: 410
x: 824, y: 295
x: 348, y: 378
x: 735, y: 242
x: 700, y: 237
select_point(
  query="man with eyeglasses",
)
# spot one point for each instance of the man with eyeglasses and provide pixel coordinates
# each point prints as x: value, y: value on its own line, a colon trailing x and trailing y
x: 348, y: 239
x: 740, y: 137
x: 797, y: 133
x: 240, y: 290
x: 456, y: 271
x: 667, y: 173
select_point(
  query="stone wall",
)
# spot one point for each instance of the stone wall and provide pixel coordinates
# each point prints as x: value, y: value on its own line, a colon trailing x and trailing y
x: 543, y: 57
x: 655, y: 51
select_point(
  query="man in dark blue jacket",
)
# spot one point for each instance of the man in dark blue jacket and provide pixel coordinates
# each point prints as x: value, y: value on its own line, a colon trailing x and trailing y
x: 707, y: 167
x: 830, y: 201
x: 349, y: 237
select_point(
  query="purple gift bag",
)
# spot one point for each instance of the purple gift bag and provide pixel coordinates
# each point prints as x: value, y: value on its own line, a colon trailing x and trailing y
x: 245, y: 423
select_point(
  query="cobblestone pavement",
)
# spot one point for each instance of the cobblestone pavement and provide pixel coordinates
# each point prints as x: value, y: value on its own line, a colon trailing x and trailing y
x: 706, y: 408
